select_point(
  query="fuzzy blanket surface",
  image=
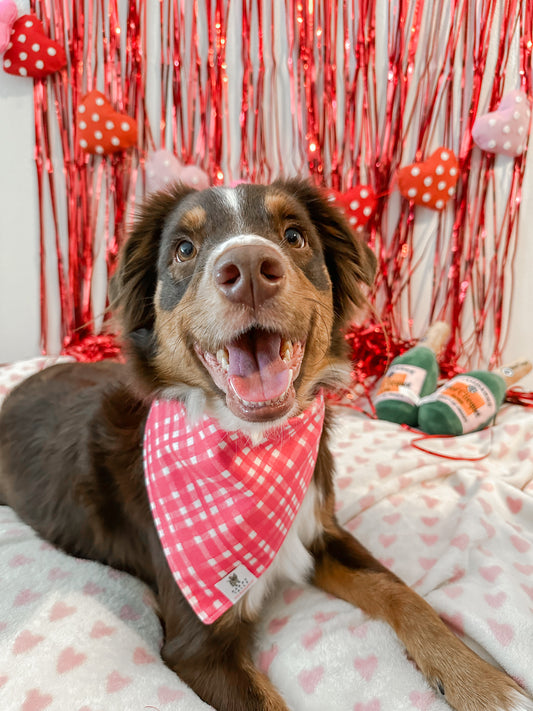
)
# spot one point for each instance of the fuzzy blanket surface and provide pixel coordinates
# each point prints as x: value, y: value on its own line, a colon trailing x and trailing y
x: 78, y: 636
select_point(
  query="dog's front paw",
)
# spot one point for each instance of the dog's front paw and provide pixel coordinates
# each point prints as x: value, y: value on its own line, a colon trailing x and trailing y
x: 477, y: 686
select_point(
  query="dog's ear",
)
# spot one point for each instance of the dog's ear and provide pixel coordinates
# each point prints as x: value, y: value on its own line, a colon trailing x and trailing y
x: 349, y: 260
x: 132, y: 287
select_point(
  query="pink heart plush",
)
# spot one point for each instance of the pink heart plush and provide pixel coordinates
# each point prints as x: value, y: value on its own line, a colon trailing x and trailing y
x: 163, y: 169
x: 504, y: 130
x: 8, y: 15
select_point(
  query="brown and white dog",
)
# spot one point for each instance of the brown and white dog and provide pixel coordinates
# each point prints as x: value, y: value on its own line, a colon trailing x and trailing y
x: 233, y: 302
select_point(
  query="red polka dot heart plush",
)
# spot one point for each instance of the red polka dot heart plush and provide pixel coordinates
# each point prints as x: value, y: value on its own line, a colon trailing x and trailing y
x: 506, y: 129
x: 101, y: 129
x: 30, y: 52
x: 432, y: 182
x: 358, y: 204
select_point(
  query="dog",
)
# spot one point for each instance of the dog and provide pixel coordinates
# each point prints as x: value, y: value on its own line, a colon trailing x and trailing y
x: 232, y: 303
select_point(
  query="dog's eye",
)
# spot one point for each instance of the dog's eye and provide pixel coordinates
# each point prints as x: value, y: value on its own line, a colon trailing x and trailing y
x: 185, y: 251
x: 294, y: 238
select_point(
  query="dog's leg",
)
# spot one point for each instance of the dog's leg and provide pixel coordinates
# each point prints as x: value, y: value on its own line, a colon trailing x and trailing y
x: 214, y: 660
x: 344, y: 568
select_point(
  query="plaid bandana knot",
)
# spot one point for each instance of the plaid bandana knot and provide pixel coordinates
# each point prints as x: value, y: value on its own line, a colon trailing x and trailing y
x: 222, y: 506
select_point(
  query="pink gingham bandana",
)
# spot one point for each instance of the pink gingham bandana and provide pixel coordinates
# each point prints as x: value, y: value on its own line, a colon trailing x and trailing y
x: 222, y: 506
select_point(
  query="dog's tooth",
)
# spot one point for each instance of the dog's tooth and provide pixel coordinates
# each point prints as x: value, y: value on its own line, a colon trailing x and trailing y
x: 286, y: 350
x: 223, y: 357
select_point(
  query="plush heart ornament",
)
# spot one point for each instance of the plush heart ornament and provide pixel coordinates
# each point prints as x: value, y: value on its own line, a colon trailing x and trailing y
x: 432, y: 182
x: 506, y: 129
x: 163, y: 168
x: 30, y: 52
x: 8, y: 15
x: 194, y: 177
x: 358, y: 204
x: 101, y: 129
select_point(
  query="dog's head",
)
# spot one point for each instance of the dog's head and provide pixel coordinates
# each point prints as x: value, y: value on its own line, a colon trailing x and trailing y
x: 235, y: 299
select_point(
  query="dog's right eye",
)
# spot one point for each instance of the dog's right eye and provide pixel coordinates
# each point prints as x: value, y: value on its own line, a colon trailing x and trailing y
x: 185, y: 251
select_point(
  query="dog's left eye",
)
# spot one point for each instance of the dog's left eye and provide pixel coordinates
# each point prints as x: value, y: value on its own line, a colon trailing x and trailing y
x: 185, y: 251
x: 294, y: 238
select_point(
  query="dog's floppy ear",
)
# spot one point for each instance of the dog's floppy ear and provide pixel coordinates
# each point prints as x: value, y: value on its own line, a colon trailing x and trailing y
x: 349, y: 260
x: 132, y: 288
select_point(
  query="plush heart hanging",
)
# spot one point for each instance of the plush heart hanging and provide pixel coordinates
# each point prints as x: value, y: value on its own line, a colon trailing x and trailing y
x: 8, y: 15
x: 30, y: 52
x: 194, y: 177
x: 506, y: 129
x: 101, y: 129
x: 358, y: 204
x: 430, y: 183
x: 163, y: 168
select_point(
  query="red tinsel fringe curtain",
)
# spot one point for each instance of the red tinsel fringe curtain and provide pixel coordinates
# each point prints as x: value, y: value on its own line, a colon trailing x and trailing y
x: 249, y: 90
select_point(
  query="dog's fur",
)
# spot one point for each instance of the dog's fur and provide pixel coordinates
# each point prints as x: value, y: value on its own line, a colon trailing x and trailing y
x: 71, y: 436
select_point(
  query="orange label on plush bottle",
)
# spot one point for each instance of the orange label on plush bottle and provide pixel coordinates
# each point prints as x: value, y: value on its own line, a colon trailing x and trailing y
x: 470, y: 399
x: 402, y: 382
x: 467, y: 397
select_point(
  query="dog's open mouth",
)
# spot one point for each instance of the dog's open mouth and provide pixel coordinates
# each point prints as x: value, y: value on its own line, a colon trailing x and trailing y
x: 257, y: 371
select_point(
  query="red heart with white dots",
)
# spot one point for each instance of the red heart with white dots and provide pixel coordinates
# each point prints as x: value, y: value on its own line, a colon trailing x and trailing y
x: 30, y: 52
x: 430, y: 183
x: 101, y: 129
x: 506, y: 129
x: 358, y: 204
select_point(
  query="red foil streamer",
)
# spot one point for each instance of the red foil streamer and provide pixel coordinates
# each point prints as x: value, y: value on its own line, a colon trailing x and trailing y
x: 95, y: 348
x: 399, y: 97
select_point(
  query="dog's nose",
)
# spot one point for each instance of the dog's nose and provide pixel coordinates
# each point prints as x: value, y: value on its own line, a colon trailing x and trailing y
x: 249, y: 274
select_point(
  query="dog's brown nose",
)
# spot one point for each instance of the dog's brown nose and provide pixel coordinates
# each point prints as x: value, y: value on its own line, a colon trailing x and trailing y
x: 249, y: 274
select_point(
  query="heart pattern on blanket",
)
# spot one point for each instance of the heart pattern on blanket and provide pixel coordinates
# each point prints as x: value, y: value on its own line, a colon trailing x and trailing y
x: 310, y: 678
x: 26, y: 597
x: 101, y: 630
x: 422, y: 700
x: 60, y: 610
x: 116, y: 682
x: 101, y: 129
x: 504, y: 130
x: 30, y: 52
x: 69, y: 659
x: 503, y: 632
x: 36, y: 701
x: 366, y: 666
x: 167, y: 695
x: 25, y: 641
x: 430, y: 183
x: 420, y: 522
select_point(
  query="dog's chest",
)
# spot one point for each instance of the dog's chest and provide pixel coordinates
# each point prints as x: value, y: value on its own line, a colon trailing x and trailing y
x: 293, y: 562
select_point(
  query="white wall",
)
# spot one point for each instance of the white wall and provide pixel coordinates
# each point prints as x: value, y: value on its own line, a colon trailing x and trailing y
x: 19, y: 222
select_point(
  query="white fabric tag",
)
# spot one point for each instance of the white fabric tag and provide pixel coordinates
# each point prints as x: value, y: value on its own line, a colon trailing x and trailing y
x: 236, y: 583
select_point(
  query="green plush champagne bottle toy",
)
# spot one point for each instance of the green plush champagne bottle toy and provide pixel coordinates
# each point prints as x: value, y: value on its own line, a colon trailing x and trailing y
x: 468, y: 402
x: 410, y: 377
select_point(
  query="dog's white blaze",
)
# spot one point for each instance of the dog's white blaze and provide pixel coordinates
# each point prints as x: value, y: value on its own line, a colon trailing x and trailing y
x: 293, y: 561
x: 231, y: 198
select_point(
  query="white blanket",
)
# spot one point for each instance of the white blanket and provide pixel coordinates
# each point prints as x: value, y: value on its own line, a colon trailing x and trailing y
x: 78, y: 636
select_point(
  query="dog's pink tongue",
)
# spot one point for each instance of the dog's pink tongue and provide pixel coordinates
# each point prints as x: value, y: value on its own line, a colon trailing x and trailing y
x: 256, y: 370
